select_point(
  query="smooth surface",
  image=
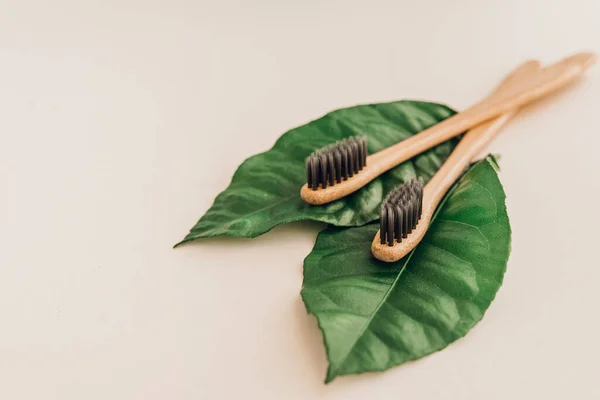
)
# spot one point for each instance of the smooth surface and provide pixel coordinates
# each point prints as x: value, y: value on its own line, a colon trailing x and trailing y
x: 121, y: 121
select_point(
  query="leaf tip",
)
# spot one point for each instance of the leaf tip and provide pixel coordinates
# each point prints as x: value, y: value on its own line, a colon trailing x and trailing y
x: 184, y: 241
x: 493, y: 160
x: 331, y: 375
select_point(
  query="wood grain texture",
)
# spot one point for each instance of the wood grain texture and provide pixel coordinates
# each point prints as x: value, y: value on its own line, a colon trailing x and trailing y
x: 471, y: 144
x: 528, y: 90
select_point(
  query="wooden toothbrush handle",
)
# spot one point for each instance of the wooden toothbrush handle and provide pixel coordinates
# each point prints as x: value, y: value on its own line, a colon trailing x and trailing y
x: 544, y: 82
x: 475, y: 140
x: 468, y: 148
x: 435, y: 190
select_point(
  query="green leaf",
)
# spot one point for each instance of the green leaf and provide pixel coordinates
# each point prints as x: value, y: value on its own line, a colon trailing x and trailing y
x: 375, y: 315
x: 265, y: 190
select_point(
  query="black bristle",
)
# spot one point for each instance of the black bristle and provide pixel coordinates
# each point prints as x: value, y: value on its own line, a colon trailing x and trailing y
x: 401, y: 211
x: 336, y: 163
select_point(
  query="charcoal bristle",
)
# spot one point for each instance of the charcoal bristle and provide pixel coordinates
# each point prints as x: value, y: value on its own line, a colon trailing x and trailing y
x: 401, y: 211
x: 336, y: 163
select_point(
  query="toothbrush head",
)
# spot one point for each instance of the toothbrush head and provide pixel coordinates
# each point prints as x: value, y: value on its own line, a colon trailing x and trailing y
x: 401, y: 211
x: 336, y: 163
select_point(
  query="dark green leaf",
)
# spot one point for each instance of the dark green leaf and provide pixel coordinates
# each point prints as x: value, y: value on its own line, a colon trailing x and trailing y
x: 375, y: 315
x: 265, y: 190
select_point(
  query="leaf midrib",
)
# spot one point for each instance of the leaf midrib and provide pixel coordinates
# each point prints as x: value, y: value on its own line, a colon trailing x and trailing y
x: 393, y: 285
x: 245, y: 216
x: 376, y: 310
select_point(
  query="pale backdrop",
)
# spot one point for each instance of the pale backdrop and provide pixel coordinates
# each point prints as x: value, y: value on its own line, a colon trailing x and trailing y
x: 121, y: 120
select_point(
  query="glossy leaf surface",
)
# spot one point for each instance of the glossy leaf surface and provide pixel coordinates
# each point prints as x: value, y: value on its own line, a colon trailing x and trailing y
x: 265, y: 190
x: 376, y: 315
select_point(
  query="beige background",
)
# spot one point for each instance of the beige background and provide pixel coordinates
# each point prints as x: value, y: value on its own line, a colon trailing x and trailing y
x: 121, y: 120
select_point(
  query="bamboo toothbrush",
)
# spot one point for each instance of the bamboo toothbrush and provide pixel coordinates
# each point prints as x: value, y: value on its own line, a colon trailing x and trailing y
x: 407, y: 211
x: 344, y: 167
